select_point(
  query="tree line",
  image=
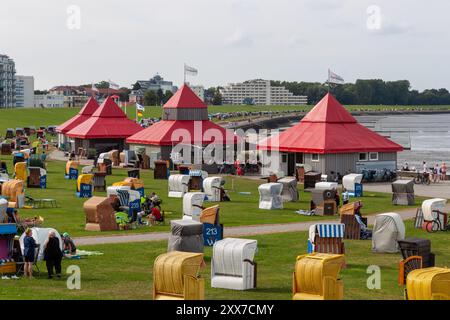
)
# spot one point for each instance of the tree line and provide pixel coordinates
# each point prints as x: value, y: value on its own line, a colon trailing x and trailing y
x: 369, y: 92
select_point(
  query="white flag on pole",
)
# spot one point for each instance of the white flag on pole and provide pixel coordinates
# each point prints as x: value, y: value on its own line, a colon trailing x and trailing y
x: 140, y: 107
x: 113, y: 85
x: 190, y: 70
x: 334, y: 78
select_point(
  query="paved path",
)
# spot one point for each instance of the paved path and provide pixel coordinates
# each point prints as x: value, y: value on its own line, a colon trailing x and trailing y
x: 228, y: 231
x: 434, y: 190
x: 59, y: 155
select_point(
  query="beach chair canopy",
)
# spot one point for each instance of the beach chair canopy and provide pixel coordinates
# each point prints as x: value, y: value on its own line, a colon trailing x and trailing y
x: 193, y: 205
x: 71, y: 164
x: 173, y: 273
x: 40, y: 235
x: 186, y: 235
x: 112, y: 191
x: 84, y: 179
x: 20, y: 171
x: 316, y: 277
x: 349, y: 180
x: 429, y: 205
x: 326, y: 185
x: 212, y: 187
x: 387, y: 230
x: 232, y: 264
x: 428, y: 284
x: 178, y: 185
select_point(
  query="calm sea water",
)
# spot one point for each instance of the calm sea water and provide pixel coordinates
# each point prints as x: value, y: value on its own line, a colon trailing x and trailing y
x: 427, y: 136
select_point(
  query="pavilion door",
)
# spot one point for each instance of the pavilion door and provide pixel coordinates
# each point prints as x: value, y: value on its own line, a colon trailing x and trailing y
x: 291, y: 164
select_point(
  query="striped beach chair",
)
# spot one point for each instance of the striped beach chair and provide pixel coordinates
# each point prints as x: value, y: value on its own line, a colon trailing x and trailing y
x: 326, y: 238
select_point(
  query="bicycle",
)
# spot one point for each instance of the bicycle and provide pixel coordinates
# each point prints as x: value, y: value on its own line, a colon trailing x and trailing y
x: 423, y: 178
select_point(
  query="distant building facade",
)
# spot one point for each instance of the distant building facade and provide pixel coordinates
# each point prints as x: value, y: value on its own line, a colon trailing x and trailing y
x: 7, y: 82
x: 24, y: 91
x: 49, y: 101
x: 154, y: 84
x: 199, y: 91
x: 260, y: 92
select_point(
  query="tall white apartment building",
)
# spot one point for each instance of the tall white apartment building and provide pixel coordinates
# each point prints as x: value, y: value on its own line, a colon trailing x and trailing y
x: 260, y: 92
x: 7, y: 82
x: 24, y: 91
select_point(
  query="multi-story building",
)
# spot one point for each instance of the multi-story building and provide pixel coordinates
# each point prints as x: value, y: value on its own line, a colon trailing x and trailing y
x: 154, y: 84
x: 260, y: 92
x: 198, y: 90
x: 24, y: 91
x: 49, y: 101
x: 7, y: 82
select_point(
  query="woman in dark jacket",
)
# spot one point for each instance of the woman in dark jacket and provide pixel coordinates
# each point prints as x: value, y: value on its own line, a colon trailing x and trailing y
x: 53, y: 255
x: 29, y: 253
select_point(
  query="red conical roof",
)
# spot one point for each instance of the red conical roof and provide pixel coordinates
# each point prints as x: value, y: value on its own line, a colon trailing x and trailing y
x: 185, y: 98
x: 89, y: 108
x: 329, y: 110
x: 329, y: 128
x: 109, y: 109
x: 107, y: 122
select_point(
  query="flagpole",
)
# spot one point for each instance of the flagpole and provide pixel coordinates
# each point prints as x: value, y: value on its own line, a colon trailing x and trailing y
x: 184, y: 72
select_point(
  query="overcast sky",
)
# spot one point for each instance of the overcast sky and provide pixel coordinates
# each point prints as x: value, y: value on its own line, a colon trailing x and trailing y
x: 227, y: 40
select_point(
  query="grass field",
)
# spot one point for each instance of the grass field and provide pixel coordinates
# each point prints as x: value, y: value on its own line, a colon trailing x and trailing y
x: 12, y: 118
x: 125, y: 271
x: 242, y: 210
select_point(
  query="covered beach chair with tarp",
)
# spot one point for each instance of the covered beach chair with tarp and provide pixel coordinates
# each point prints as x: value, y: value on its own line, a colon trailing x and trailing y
x: 428, y: 284
x: 403, y: 192
x: 85, y: 185
x: 20, y: 171
x: 178, y: 185
x: 326, y: 238
x: 353, y: 184
x: 316, y: 277
x: 433, y: 216
x: 388, y: 229
x: 40, y: 235
x: 233, y: 265
x: 7, y: 233
x: 71, y: 170
x: 176, y: 276
x: 290, y: 191
x: 193, y: 205
x: 13, y: 190
x: 186, y: 235
x: 212, y: 186
x: 99, y: 214
x: 37, y: 178
x: 270, y: 196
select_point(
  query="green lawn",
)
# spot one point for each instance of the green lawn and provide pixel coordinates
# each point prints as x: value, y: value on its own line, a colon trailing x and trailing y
x: 242, y: 210
x: 125, y: 271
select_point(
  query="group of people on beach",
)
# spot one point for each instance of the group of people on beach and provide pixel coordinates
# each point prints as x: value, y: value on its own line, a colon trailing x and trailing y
x: 435, y: 174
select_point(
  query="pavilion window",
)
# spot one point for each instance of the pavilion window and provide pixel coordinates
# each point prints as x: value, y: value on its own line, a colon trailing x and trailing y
x: 363, y: 156
x: 373, y: 156
x: 315, y: 157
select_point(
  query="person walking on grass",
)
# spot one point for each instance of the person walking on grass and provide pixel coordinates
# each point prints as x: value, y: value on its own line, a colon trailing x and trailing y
x: 53, y: 255
x: 29, y: 249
